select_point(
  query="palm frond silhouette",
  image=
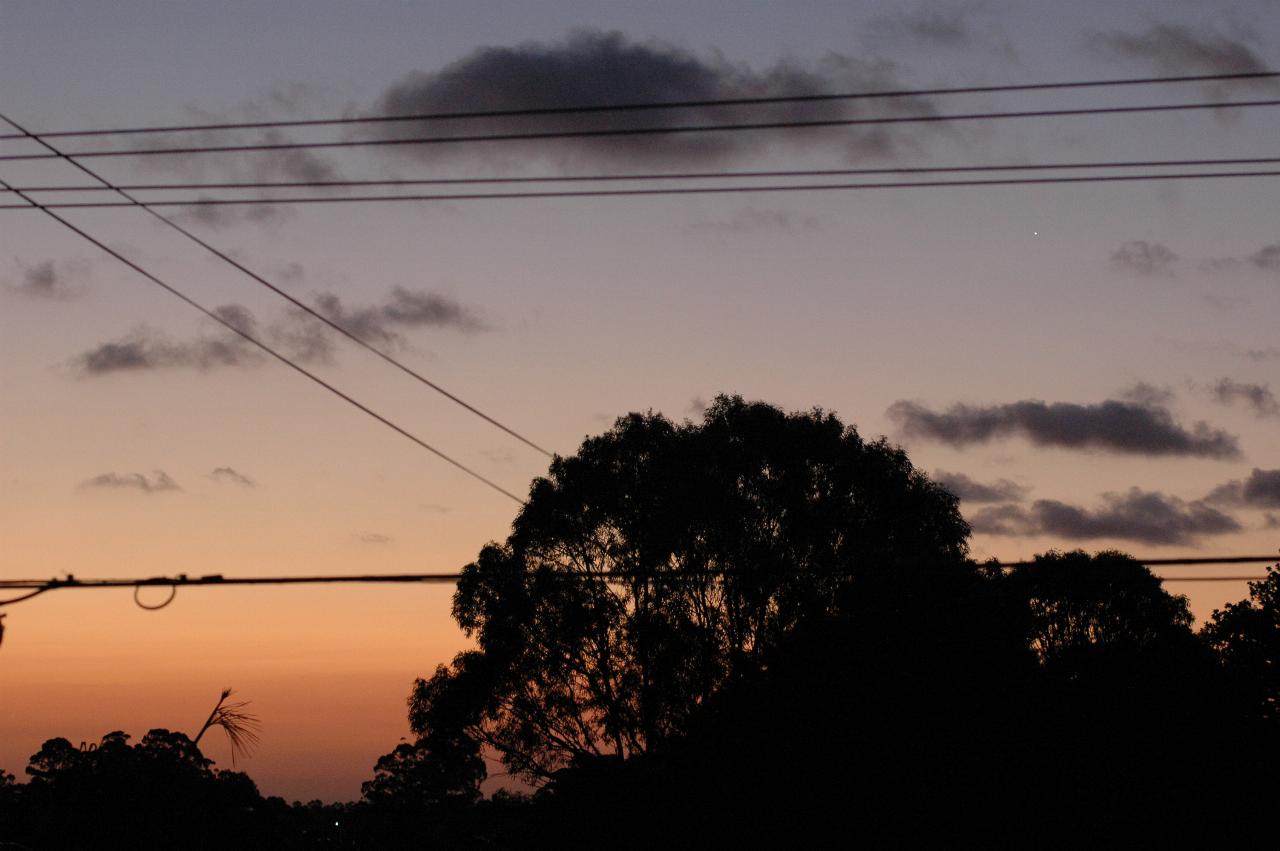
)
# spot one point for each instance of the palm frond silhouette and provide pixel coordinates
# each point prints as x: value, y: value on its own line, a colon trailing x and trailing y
x: 240, y: 726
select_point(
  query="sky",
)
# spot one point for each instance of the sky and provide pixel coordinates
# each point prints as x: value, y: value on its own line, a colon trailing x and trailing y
x: 1090, y: 365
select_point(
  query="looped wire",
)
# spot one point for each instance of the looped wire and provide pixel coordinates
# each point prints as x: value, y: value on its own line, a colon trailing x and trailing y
x: 173, y: 592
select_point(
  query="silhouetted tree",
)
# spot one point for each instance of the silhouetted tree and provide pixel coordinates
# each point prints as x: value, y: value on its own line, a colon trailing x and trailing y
x: 797, y: 512
x: 1078, y: 603
x: 427, y: 774
x: 1246, y: 636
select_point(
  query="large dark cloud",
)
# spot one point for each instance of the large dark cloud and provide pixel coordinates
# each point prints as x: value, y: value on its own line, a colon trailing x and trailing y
x: 1114, y: 426
x: 1176, y: 50
x: 1144, y: 258
x: 160, y: 482
x: 294, y: 334
x: 1260, y: 490
x: 969, y: 490
x: 591, y: 67
x: 1257, y: 397
x: 1142, y: 516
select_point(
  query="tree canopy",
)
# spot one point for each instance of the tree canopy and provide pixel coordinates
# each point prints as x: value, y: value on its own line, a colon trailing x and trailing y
x: 662, y: 559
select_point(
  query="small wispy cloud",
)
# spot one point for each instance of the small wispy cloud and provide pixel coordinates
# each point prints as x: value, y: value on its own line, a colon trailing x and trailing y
x: 232, y: 476
x: 751, y: 221
x: 373, y: 538
x: 1145, y: 258
x: 1258, y: 398
x: 49, y: 279
x: 1173, y: 49
x: 969, y: 490
x: 159, y: 482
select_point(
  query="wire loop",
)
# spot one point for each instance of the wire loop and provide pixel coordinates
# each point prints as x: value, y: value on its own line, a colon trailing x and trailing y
x: 173, y: 592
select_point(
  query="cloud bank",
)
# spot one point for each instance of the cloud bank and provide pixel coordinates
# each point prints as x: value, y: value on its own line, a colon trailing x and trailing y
x: 294, y: 334
x: 1112, y: 426
x: 1141, y: 516
x: 1260, y: 490
x: 592, y: 67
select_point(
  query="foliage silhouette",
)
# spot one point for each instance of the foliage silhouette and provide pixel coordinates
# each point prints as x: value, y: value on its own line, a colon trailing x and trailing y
x: 1246, y: 636
x: 796, y: 508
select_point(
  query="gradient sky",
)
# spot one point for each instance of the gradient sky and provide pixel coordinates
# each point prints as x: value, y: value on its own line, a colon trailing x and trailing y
x: 559, y: 315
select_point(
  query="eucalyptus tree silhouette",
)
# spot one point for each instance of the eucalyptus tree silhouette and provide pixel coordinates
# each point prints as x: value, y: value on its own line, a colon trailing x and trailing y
x: 1246, y: 637
x: 660, y: 561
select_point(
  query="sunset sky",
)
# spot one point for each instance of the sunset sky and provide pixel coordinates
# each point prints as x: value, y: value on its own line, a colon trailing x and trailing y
x: 1090, y: 365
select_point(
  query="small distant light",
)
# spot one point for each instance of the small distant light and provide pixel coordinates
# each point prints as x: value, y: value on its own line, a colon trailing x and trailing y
x: 335, y: 824
x: 1035, y: 233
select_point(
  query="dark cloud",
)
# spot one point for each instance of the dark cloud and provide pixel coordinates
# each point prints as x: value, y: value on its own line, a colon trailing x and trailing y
x: 1112, y: 425
x: 1009, y: 520
x: 1260, y: 490
x: 1257, y: 397
x: 225, y: 216
x: 1270, y: 353
x: 373, y: 538
x: 404, y: 309
x: 58, y: 281
x: 1176, y: 50
x: 159, y: 483
x: 1144, y: 258
x: 295, y: 334
x: 592, y: 67
x: 1271, y: 521
x: 751, y: 221
x: 229, y: 474
x: 434, y: 507
x: 968, y: 490
x: 147, y: 349
x: 1142, y: 516
x: 1268, y: 257
x: 415, y: 308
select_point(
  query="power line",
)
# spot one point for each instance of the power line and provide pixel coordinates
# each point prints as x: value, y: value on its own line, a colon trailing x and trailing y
x: 659, y: 105
x: 655, y: 176
x: 647, y: 131
x: 621, y: 193
x: 280, y: 292
x: 40, y: 586
x: 269, y: 350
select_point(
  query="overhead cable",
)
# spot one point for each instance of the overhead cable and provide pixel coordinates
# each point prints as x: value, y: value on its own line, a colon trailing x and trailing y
x: 661, y: 105
x: 222, y: 255
x: 231, y: 326
x: 648, y: 176
x: 623, y: 193
x: 613, y: 132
